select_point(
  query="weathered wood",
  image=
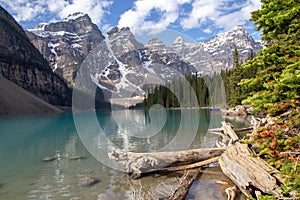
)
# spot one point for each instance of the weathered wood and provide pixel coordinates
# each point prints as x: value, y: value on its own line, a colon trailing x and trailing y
x: 243, y: 129
x: 191, y: 166
x: 271, y: 170
x: 256, y: 123
x: 230, y: 132
x: 138, y: 163
x: 218, y: 130
x: 246, y: 171
x: 231, y: 192
x: 183, y: 187
x: 214, y: 130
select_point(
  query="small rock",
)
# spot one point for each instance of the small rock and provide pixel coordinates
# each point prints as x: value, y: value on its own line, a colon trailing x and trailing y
x: 88, y: 181
x: 49, y: 158
x: 76, y: 157
x: 237, y: 111
x: 240, y: 110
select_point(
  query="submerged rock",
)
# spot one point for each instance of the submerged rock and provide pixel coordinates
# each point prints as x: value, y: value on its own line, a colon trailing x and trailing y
x: 49, y: 158
x: 76, y: 157
x: 88, y: 181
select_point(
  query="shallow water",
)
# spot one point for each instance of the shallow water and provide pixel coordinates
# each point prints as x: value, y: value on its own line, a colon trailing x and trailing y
x: 25, y: 141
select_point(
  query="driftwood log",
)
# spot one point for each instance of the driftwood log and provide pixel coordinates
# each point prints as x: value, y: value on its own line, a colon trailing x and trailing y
x: 138, y: 163
x: 252, y: 175
x: 249, y: 173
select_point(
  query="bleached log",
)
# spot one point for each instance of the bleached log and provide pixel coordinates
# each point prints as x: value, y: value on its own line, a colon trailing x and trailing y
x: 246, y: 171
x: 137, y: 163
x: 227, y: 129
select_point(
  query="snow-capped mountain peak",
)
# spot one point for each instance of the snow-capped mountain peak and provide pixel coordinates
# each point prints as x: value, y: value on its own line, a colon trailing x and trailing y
x: 75, y: 16
x: 66, y: 43
x: 123, y: 64
x: 179, y: 40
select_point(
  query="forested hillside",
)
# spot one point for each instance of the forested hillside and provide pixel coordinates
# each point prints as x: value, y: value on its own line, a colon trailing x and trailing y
x: 215, y: 90
x: 189, y: 91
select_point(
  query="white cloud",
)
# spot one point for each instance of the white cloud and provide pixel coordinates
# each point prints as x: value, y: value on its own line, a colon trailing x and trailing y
x: 239, y: 17
x: 207, y: 30
x: 201, y: 38
x: 223, y: 14
x: 24, y: 10
x: 202, y: 12
x: 27, y: 10
x: 136, y: 18
x: 219, y: 13
x: 95, y: 8
x: 189, y: 14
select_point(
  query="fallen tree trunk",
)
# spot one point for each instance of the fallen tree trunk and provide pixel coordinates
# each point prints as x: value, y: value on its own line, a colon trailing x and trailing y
x: 249, y: 173
x: 246, y: 171
x: 137, y: 163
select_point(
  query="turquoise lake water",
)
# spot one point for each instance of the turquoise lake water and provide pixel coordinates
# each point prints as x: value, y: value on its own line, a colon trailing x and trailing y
x: 25, y: 141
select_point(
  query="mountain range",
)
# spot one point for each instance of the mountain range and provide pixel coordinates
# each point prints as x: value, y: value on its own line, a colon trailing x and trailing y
x: 125, y: 64
x: 73, y: 52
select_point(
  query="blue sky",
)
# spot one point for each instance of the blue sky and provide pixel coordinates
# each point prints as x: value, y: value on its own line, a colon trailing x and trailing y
x: 197, y: 19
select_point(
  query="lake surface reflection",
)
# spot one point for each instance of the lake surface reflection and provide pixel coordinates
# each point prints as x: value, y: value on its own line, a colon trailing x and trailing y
x: 25, y: 141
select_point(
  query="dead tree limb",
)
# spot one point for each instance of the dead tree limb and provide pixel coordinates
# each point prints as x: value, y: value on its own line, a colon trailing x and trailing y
x: 183, y: 187
x: 243, y: 129
x: 191, y: 166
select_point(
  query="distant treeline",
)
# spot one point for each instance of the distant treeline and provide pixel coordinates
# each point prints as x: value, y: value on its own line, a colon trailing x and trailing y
x: 215, y: 90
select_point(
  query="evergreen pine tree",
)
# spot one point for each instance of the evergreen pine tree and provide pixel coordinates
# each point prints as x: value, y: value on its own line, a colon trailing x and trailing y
x: 235, y: 78
x: 277, y: 67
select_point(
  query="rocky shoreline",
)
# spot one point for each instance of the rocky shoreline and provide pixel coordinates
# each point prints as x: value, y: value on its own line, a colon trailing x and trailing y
x: 240, y: 110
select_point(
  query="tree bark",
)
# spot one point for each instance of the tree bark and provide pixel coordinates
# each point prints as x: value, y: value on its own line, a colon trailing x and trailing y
x: 247, y: 172
x: 137, y: 163
x: 183, y: 187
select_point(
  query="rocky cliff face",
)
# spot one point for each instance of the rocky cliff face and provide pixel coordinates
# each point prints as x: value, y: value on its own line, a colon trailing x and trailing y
x: 23, y: 64
x: 122, y: 66
x: 65, y: 44
x: 122, y: 41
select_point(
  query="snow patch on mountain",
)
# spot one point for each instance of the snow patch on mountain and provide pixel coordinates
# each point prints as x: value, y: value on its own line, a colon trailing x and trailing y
x: 124, y: 83
x: 146, y: 63
x: 74, y: 16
